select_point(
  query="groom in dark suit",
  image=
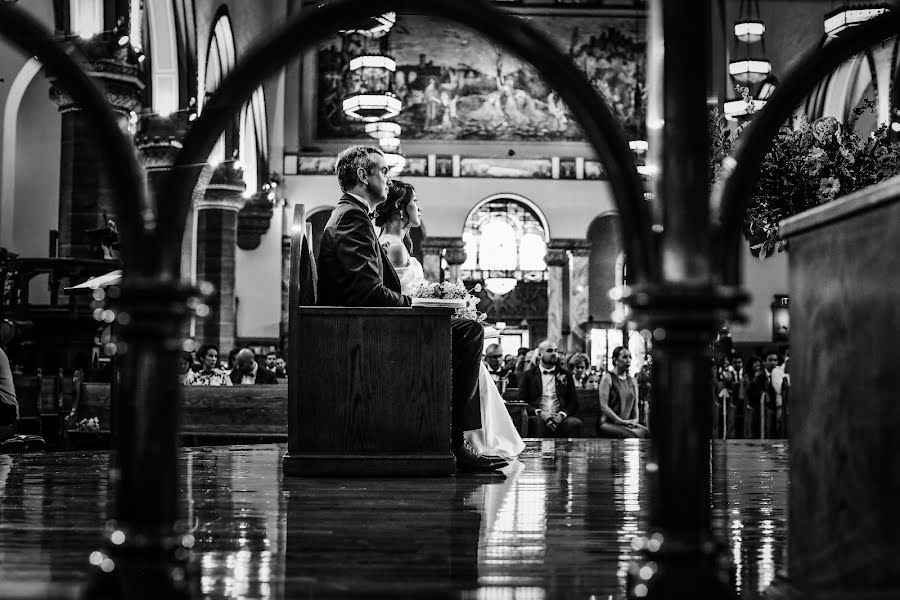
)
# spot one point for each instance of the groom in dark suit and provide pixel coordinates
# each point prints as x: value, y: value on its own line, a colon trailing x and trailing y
x: 353, y: 270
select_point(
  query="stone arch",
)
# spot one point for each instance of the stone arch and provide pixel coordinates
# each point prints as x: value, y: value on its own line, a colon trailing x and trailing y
x: 8, y: 170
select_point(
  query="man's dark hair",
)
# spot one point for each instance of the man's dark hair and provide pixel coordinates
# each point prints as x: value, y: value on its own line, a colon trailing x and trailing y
x: 350, y: 161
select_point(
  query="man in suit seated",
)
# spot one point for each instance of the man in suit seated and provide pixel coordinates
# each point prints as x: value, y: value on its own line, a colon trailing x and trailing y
x: 248, y: 372
x: 551, y: 396
x: 493, y: 360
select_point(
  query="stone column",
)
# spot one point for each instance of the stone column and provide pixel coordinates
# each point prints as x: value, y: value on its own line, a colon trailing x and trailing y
x: 579, y: 294
x: 455, y: 255
x: 286, y: 218
x: 216, y: 243
x: 84, y: 192
x: 557, y: 260
x: 433, y: 250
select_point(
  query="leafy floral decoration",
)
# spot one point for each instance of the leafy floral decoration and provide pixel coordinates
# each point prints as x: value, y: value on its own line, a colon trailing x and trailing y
x: 807, y: 165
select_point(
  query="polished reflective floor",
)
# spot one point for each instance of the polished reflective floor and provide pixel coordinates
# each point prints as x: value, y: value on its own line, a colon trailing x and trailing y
x: 559, y: 525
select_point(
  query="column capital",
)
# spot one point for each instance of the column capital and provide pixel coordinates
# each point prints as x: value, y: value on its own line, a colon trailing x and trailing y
x: 556, y: 257
x: 225, y: 189
x: 432, y: 243
x: 455, y: 256
x: 115, y: 67
x: 159, y: 139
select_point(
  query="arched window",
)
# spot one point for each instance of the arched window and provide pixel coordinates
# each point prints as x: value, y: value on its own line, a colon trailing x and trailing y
x: 505, y: 239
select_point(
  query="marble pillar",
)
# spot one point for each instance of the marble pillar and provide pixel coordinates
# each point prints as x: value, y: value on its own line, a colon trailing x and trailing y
x: 455, y: 255
x: 85, y: 195
x: 557, y: 260
x: 433, y: 250
x: 283, y: 330
x: 579, y: 294
x: 216, y: 247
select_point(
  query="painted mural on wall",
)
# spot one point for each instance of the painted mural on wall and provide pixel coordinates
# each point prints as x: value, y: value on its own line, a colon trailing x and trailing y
x: 453, y: 84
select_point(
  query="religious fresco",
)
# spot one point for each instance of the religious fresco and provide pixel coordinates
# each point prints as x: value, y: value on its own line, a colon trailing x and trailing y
x: 454, y: 85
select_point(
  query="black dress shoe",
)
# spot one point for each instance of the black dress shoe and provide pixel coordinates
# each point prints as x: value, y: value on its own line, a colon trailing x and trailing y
x: 468, y: 460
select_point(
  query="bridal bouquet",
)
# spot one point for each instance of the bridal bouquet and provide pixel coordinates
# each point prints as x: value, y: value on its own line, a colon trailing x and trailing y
x: 453, y: 291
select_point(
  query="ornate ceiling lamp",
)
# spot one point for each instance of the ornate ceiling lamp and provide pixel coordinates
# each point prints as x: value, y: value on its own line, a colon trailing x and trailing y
x: 389, y: 144
x: 846, y: 16
x: 372, y: 101
x: 383, y: 129
x: 747, y: 69
x: 374, y: 27
x: 395, y: 162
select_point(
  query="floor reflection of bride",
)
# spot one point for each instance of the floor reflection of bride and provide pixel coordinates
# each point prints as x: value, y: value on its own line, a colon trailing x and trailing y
x: 396, y: 216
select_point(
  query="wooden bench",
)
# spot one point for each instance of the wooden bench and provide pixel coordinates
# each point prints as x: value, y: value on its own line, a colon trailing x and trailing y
x: 211, y: 415
x: 369, y: 392
x: 43, y: 402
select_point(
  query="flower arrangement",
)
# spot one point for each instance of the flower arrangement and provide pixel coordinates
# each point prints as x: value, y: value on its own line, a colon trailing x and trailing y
x: 92, y: 424
x: 808, y: 164
x: 454, y: 291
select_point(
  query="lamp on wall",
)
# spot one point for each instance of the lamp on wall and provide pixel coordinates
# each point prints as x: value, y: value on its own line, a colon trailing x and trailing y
x: 781, y: 318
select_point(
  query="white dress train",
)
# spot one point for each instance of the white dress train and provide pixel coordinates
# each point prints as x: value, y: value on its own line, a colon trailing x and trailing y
x: 498, y: 435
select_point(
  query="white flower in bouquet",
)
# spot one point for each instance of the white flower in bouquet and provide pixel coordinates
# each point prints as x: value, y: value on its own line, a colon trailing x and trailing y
x: 454, y: 291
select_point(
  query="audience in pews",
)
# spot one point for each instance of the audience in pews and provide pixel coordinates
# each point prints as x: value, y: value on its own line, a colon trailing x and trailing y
x: 280, y: 367
x: 550, y: 394
x: 209, y: 373
x: 248, y: 372
x: 619, y: 400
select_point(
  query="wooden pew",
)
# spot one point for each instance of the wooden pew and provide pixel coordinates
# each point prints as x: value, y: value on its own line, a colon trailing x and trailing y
x: 242, y: 414
x: 588, y: 411
x: 220, y: 415
x: 369, y: 391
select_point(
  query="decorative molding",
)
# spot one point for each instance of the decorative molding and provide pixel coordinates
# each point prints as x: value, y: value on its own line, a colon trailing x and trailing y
x: 434, y: 245
x: 556, y: 257
x: 457, y: 166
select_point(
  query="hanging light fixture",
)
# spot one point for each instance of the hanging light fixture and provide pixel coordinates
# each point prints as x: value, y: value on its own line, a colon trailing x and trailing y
x: 389, y: 144
x: 372, y: 102
x: 845, y: 17
x: 734, y: 109
x: 768, y: 87
x: 383, y: 129
x: 374, y: 27
x: 750, y: 31
x: 750, y: 71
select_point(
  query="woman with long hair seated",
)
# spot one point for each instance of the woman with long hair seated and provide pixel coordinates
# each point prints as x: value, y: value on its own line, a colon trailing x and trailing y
x: 396, y: 216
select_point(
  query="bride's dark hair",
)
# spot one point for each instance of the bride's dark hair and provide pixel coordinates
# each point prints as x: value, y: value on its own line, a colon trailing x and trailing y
x: 399, y: 195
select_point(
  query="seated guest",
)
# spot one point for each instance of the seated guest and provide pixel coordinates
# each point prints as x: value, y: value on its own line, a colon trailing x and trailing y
x: 271, y: 358
x: 493, y: 360
x: 9, y: 406
x: 232, y: 357
x: 280, y: 367
x: 550, y: 395
x: 578, y: 366
x: 248, y: 372
x: 185, y: 360
x: 619, y: 400
x: 209, y: 373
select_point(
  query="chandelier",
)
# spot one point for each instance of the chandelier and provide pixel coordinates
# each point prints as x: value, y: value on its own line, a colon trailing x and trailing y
x: 389, y: 144
x: 750, y: 71
x: 372, y: 101
x: 383, y: 129
x: 741, y: 108
x: 845, y: 17
x: 374, y: 27
x: 749, y: 32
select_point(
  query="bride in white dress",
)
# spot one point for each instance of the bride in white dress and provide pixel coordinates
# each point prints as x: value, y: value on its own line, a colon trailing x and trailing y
x: 396, y: 216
